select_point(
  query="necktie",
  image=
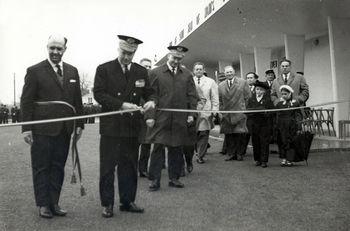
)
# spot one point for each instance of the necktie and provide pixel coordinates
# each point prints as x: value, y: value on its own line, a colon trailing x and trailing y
x: 59, y: 74
x: 285, y: 79
x: 126, y: 72
x: 199, y: 80
x: 230, y: 83
x: 173, y: 70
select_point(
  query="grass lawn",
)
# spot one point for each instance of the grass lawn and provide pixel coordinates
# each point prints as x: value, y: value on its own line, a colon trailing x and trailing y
x: 218, y: 195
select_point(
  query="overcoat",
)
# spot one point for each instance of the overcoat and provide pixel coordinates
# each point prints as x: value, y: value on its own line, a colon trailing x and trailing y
x: 208, y: 94
x: 176, y: 92
x: 234, y: 98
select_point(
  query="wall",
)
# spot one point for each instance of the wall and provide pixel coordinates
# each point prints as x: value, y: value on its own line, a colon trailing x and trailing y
x: 317, y: 70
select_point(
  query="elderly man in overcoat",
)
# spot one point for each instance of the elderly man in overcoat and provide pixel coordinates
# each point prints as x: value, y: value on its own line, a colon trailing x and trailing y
x: 176, y: 90
x: 234, y: 93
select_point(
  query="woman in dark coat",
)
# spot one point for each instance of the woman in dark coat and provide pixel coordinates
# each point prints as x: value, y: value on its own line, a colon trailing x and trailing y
x: 260, y: 123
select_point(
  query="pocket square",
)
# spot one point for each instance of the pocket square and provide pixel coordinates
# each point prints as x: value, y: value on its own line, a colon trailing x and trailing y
x: 72, y: 81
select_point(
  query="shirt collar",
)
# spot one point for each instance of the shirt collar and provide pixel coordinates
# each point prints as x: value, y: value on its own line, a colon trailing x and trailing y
x: 53, y: 65
x: 171, y: 68
x: 123, y: 66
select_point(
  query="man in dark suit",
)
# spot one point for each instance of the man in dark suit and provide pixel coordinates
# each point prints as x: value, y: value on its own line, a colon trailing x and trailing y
x: 121, y: 85
x: 176, y: 89
x: 50, y: 80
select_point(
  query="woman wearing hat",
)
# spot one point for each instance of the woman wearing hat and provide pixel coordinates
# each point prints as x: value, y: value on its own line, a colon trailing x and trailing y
x: 287, y: 125
x: 260, y: 123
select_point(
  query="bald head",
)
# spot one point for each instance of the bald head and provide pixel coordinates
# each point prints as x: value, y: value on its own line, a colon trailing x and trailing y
x: 56, y: 46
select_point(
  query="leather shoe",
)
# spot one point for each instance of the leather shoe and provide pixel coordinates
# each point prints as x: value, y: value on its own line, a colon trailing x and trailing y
x: 263, y: 165
x: 58, y: 211
x: 189, y: 168
x: 257, y: 163
x: 176, y: 184
x: 200, y: 161
x: 239, y: 158
x: 45, y: 212
x: 154, y: 186
x: 144, y: 174
x: 132, y: 207
x: 107, y: 211
x: 230, y: 158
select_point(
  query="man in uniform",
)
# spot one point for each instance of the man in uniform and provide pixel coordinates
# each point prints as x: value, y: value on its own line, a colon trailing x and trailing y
x: 176, y: 90
x: 50, y: 80
x: 120, y: 84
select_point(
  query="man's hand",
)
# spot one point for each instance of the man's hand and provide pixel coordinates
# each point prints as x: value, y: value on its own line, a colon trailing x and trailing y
x: 28, y: 137
x: 129, y: 106
x: 149, y: 105
x: 79, y: 132
x: 190, y: 119
x: 150, y: 123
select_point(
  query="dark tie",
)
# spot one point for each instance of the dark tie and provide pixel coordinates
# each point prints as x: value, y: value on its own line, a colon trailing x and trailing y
x: 59, y: 74
x: 126, y: 72
x: 285, y: 79
x: 230, y: 83
x: 199, y: 80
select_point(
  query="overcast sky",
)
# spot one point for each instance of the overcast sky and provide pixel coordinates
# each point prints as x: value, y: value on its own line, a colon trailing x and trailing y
x: 91, y: 27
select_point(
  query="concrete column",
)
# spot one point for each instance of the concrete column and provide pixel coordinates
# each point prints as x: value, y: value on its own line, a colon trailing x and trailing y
x: 294, y: 48
x: 223, y: 64
x: 339, y: 37
x: 246, y: 64
x: 262, y: 57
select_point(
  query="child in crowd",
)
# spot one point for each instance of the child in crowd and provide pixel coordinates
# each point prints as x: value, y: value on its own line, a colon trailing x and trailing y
x: 260, y: 123
x: 287, y: 125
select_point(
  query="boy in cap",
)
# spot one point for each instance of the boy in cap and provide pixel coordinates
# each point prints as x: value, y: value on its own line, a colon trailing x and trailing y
x: 260, y: 123
x: 287, y: 125
x: 121, y: 85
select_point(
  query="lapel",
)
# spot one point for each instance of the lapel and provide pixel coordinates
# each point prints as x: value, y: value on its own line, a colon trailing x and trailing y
x: 52, y: 74
x: 66, y: 74
x: 290, y: 79
x: 280, y: 80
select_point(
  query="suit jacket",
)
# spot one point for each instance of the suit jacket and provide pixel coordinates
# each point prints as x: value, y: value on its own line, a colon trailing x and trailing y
x: 234, y: 98
x: 177, y: 92
x: 41, y: 84
x: 297, y: 83
x: 112, y: 88
x: 208, y: 94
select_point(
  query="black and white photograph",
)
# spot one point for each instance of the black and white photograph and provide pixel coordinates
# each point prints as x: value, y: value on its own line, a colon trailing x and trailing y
x: 175, y: 115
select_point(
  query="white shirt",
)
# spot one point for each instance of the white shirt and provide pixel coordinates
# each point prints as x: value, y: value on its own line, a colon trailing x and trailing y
x: 123, y: 66
x: 54, y: 65
x: 259, y: 98
x: 171, y: 68
x: 284, y: 75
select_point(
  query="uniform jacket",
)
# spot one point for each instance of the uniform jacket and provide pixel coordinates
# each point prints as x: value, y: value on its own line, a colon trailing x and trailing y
x: 208, y: 94
x: 234, y: 98
x: 297, y: 83
x: 112, y: 89
x: 176, y: 92
x: 41, y: 84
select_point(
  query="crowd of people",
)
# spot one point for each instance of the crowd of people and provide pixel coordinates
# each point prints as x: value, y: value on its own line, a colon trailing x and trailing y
x: 146, y: 93
x: 6, y: 114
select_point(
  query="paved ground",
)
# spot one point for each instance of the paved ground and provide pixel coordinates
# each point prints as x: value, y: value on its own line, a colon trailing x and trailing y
x: 218, y: 195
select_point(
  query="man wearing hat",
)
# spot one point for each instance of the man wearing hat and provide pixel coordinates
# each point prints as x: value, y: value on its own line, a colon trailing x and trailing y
x: 172, y: 129
x: 121, y: 84
x: 270, y: 76
x: 296, y: 82
x: 50, y: 80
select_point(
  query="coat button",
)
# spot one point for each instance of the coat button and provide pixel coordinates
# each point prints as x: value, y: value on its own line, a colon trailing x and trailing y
x: 118, y: 93
x: 131, y: 114
x: 134, y: 94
